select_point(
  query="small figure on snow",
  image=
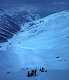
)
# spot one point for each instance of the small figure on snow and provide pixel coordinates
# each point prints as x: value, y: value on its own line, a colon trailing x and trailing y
x: 32, y: 73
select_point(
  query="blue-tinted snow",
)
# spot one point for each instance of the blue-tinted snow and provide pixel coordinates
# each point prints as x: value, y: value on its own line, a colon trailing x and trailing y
x: 39, y: 46
x: 44, y: 44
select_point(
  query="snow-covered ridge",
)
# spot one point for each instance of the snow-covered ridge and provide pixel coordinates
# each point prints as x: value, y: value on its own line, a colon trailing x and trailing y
x: 10, y: 23
x: 49, y: 29
x: 53, y: 36
x: 35, y: 49
x: 51, y: 23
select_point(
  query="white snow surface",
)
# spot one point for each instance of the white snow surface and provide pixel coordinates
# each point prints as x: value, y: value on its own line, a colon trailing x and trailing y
x: 40, y: 43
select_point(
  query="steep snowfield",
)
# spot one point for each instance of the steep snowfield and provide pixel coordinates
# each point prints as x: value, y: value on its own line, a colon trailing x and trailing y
x: 42, y: 42
x: 49, y: 31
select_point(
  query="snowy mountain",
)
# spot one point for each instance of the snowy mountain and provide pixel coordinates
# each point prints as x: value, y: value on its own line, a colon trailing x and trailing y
x: 39, y: 43
x: 10, y: 23
x: 44, y: 36
x: 25, y: 16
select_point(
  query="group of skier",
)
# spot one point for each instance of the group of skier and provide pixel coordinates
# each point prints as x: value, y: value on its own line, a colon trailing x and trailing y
x: 34, y: 72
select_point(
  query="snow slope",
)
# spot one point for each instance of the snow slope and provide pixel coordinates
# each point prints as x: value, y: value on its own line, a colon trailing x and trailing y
x: 43, y: 40
x: 39, y: 43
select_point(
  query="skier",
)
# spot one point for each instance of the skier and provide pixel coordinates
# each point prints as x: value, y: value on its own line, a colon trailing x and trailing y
x: 32, y: 73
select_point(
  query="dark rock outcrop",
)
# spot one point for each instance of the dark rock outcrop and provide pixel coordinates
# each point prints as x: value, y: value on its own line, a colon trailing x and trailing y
x: 8, y: 27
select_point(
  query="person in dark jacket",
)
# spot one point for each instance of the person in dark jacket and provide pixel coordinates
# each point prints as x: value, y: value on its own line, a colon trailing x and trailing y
x: 32, y: 73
